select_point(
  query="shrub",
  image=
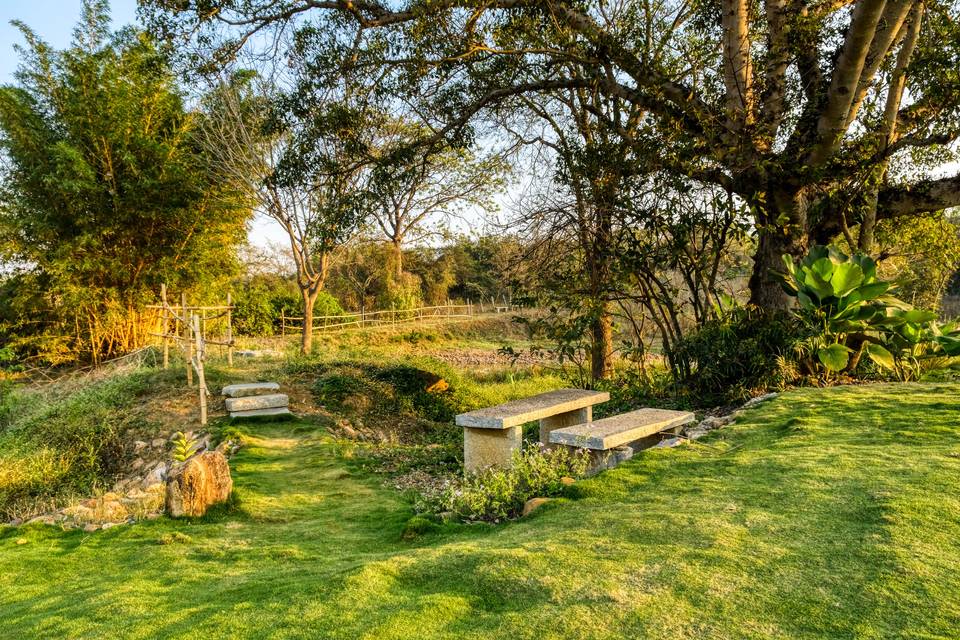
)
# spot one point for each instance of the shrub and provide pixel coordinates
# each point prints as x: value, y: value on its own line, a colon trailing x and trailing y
x: 730, y: 358
x: 258, y: 307
x: 849, y: 312
x: 497, y: 494
x: 57, y: 445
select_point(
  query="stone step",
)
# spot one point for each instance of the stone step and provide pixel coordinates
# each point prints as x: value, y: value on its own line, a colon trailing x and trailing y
x: 247, y: 403
x: 249, y: 389
x: 276, y: 412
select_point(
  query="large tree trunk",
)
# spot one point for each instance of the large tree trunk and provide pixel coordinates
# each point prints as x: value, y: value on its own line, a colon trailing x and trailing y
x: 601, y: 353
x: 786, y: 233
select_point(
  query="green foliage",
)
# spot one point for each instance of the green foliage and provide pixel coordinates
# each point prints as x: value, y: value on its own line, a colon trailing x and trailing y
x: 849, y: 312
x: 400, y: 293
x: 105, y: 194
x: 792, y: 511
x: 184, y: 446
x: 258, y: 306
x: 730, y: 358
x: 397, y: 390
x: 497, y: 494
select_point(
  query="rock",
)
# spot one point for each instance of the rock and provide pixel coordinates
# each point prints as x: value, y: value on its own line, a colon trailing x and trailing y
x: 137, y: 494
x: 532, y: 505
x: 156, y: 488
x: 755, y: 401
x: 157, y: 474
x: 16, y: 522
x: 349, y: 432
x: 667, y: 443
x: 44, y: 519
x: 156, y: 443
x: 137, y: 464
x: 279, y: 412
x: 200, y: 482
x: 567, y: 481
x: 249, y: 389
x: 108, y: 525
x: 138, y: 445
x: 250, y: 403
x: 90, y: 528
x: 81, y: 512
x: 696, y: 434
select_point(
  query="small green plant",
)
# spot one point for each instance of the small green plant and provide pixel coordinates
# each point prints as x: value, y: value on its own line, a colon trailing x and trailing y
x: 184, y: 446
x: 497, y: 494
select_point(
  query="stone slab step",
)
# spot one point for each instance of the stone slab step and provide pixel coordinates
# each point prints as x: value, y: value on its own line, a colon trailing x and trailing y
x: 276, y: 412
x: 619, y: 430
x: 249, y: 389
x: 544, y: 405
x: 247, y: 403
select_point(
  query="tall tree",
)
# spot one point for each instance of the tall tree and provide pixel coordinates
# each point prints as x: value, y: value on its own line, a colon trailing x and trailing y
x: 806, y: 110
x: 105, y: 193
x: 292, y: 169
x: 414, y: 194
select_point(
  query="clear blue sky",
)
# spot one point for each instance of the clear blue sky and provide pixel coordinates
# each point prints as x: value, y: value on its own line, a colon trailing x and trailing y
x: 52, y: 20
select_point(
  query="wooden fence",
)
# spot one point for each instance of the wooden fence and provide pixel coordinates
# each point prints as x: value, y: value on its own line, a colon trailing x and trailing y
x: 388, y: 317
x: 184, y: 326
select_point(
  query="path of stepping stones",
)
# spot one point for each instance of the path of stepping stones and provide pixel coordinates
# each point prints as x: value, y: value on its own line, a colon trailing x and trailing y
x: 255, y: 400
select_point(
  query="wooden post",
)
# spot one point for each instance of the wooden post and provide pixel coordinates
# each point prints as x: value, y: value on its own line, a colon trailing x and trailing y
x: 164, y: 328
x: 201, y: 379
x: 188, y: 343
x: 283, y: 324
x: 229, y: 330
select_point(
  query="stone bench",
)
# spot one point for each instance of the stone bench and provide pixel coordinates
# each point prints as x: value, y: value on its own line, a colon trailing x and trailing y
x: 606, y: 439
x: 491, y: 435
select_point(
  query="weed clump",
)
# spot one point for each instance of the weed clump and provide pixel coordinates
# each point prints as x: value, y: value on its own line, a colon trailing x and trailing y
x: 498, y: 494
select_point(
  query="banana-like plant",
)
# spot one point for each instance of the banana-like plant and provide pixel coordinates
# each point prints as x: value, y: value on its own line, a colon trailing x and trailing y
x: 852, y: 312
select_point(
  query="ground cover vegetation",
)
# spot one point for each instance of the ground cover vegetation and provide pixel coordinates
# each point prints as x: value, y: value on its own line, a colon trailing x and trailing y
x: 824, y: 512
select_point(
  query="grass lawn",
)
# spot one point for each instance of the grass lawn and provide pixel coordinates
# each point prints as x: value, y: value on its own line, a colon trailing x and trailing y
x: 824, y: 513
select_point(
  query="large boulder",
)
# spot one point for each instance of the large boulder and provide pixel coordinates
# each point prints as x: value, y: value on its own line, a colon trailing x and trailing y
x: 198, y: 483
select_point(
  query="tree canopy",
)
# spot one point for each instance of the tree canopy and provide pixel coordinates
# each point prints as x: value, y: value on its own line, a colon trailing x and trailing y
x: 106, y: 192
x: 824, y: 117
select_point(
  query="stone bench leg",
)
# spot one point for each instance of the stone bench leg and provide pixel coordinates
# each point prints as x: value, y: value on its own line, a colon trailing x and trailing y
x: 567, y: 419
x: 484, y: 448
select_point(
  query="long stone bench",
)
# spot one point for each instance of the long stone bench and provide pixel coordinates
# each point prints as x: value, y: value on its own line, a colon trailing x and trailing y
x: 606, y: 439
x: 491, y: 435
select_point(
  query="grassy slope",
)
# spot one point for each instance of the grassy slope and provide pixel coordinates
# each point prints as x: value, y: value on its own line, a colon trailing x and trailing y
x: 826, y: 513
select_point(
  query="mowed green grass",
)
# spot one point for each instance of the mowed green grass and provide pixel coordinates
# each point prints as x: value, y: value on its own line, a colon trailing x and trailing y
x: 822, y: 514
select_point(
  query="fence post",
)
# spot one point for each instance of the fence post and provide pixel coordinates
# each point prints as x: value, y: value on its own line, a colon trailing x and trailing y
x: 229, y: 330
x: 201, y: 379
x: 188, y: 347
x: 165, y: 328
x: 283, y: 324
